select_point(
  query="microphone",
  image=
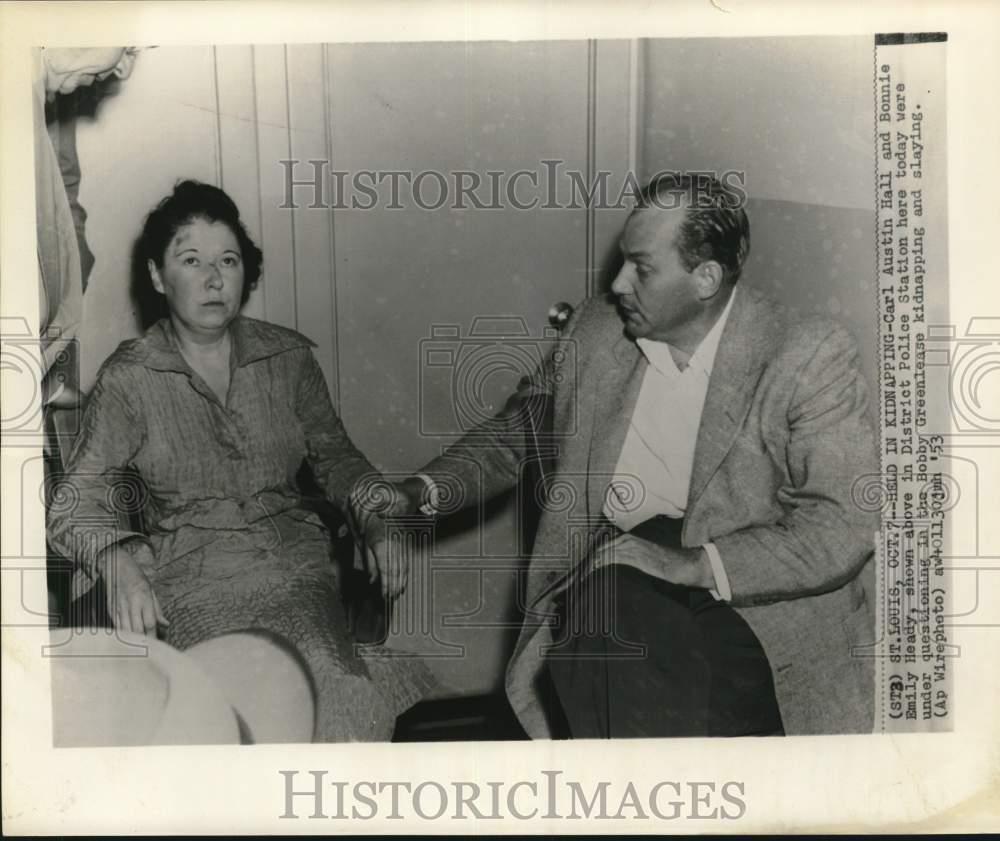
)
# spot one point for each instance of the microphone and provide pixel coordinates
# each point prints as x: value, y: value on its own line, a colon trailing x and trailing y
x: 559, y: 314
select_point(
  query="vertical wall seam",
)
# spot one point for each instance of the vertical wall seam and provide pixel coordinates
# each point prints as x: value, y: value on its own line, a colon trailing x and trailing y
x: 256, y: 158
x: 632, y: 128
x: 590, y: 237
x: 288, y: 141
x: 328, y: 138
x: 219, y: 170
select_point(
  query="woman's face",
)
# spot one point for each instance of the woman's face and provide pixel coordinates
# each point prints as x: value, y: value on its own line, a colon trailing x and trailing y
x: 201, y: 276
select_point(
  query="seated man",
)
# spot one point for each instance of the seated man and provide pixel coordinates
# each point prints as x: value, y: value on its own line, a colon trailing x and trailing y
x: 713, y: 439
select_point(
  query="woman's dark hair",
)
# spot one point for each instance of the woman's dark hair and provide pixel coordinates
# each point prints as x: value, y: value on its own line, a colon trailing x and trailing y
x: 189, y: 201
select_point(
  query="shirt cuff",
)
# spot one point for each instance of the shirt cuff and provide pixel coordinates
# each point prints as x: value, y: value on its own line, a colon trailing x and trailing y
x: 431, y: 507
x: 91, y: 544
x: 722, y: 592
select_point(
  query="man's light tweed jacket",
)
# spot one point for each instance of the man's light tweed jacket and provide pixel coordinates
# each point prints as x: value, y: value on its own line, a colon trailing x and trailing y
x: 784, y: 444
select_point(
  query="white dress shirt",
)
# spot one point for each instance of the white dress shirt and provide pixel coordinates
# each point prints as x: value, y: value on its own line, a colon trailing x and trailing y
x: 653, y: 474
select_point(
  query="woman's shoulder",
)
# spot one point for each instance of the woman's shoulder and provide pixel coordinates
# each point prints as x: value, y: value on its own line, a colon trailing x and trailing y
x: 151, y: 349
x: 256, y: 339
x: 128, y: 355
x: 121, y: 374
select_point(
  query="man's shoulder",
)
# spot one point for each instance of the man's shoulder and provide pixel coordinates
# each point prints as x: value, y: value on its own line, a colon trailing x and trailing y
x: 596, y: 316
x: 790, y: 330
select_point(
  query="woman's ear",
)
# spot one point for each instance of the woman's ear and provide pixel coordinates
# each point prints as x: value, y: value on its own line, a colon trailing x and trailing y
x: 154, y: 274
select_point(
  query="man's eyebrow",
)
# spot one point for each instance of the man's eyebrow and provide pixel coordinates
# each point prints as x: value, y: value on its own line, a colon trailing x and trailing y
x: 633, y: 255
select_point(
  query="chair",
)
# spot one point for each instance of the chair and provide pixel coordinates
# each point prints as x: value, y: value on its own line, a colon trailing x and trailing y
x: 490, y: 717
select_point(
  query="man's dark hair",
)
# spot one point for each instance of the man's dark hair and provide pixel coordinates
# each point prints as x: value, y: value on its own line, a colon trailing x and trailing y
x: 715, y: 225
x: 192, y: 200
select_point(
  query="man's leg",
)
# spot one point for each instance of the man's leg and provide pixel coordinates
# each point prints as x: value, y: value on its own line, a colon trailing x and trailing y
x: 703, y: 672
x: 741, y: 697
x: 629, y: 659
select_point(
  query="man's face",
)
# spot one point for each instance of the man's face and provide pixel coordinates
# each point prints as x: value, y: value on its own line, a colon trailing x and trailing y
x: 656, y: 294
x: 69, y: 68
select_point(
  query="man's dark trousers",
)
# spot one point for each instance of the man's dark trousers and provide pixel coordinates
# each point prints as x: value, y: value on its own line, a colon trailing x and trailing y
x: 636, y: 656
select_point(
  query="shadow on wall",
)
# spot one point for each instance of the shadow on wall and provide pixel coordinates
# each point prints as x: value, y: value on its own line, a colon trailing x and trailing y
x: 150, y: 305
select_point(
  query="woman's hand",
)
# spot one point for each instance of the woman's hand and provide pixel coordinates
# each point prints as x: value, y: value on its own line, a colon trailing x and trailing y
x: 132, y: 604
x: 371, y: 505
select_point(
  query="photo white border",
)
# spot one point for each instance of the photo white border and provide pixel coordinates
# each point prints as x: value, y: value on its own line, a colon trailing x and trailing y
x: 915, y: 783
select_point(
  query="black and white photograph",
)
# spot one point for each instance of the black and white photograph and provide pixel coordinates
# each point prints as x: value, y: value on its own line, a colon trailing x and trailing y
x: 425, y: 401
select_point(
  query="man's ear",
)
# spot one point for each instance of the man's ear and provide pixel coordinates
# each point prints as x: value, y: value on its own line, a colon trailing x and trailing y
x: 708, y: 276
x: 154, y: 274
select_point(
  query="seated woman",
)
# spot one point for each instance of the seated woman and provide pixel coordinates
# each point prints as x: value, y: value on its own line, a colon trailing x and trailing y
x: 215, y: 413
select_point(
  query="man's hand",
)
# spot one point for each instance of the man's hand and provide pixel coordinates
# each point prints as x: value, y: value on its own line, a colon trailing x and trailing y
x: 686, y: 567
x: 371, y: 504
x: 131, y: 602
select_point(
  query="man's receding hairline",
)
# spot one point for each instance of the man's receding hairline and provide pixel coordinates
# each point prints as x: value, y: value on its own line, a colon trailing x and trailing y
x: 665, y: 217
x: 654, y: 200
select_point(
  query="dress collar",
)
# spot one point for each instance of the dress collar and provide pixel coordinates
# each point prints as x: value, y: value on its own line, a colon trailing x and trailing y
x: 252, y: 340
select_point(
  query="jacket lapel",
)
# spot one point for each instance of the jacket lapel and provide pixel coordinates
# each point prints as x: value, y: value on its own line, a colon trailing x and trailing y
x: 739, y: 362
x: 617, y: 384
